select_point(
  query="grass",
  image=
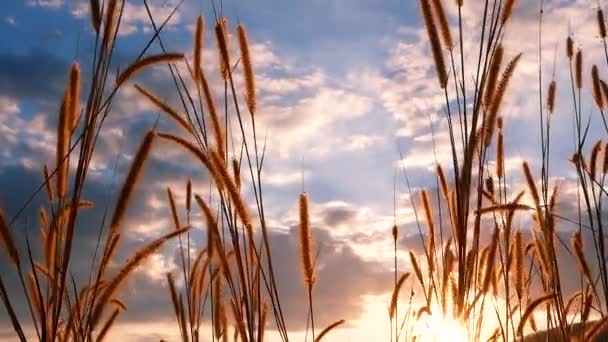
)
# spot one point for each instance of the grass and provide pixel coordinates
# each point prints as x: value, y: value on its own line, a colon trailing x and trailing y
x: 230, y: 284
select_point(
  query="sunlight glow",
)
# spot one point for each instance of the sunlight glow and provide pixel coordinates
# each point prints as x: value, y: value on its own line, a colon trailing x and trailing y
x: 439, y: 327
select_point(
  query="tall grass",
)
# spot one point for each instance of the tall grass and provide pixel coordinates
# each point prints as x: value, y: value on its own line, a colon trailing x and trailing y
x: 483, y: 265
x: 500, y: 277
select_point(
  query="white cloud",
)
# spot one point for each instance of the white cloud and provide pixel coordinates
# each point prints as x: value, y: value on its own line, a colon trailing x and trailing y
x: 309, y: 125
x: 45, y: 3
x: 135, y: 17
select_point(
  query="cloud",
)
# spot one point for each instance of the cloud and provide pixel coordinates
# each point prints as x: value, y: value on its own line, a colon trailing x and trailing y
x: 135, y: 18
x: 314, y: 118
x: 45, y: 3
x: 36, y: 76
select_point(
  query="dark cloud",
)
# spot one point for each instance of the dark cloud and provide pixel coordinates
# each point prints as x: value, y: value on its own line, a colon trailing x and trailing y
x: 338, y: 215
x: 38, y: 76
x: 343, y: 279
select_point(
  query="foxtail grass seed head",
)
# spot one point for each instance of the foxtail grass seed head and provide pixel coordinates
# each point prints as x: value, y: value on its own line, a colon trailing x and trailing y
x: 426, y: 204
x: 531, y: 184
x: 518, y: 255
x: 218, y: 307
x: 173, y: 207
x: 493, y: 75
x: 211, y: 220
x: 203, y: 157
x: 551, y: 96
x: 431, y: 28
x: 172, y: 113
x: 395, y: 295
x: 145, y: 62
x: 95, y: 9
x: 61, y: 159
x: 593, y: 160
x: 604, y: 87
x: 417, y: 270
x: 579, y: 69
x: 218, y: 129
x: 235, y: 196
x: 444, y: 26
x: 497, y: 99
x: 507, y: 10
x: 601, y: 23
x: 605, y: 161
x: 74, y: 107
x: 306, y: 241
x: 443, y: 182
x: 394, y: 232
x: 198, y: 47
x: 577, y: 245
x: 130, y: 182
x: 489, y: 262
x: 189, y: 195
x: 597, y: 88
x: 221, y: 35
x: 236, y: 170
x: 109, y: 23
x: 500, y: 159
x: 250, y: 95
x: 47, y: 185
x: 7, y: 240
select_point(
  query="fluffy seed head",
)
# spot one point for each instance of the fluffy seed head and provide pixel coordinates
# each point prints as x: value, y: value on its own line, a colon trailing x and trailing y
x: 593, y: 160
x: 507, y: 10
x: 247, y: 69
x: 165, y: 108
x: 493, y: 75
x: 605, y: 162
x: 145, y: 62
x: 431, y: 28
x: 95, y: 14
x: 61, y: 158
x: 551, y: 96
x: 424, y: 197
x: 444, y: 26
x: 500, y: 160
x: 198, y: 46
x: 221, y: 35
x: 189, y: 195
x: 601, y: 23
x: 501, y: 89
x: 74, y: 97
x: 8, y: 241
x: 218, y: 129
x: 130, y: 182
x: 306, y: 241
x: 597, y: 88
x: 395, y: 295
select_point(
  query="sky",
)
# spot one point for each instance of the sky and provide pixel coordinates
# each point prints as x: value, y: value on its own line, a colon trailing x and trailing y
x: 344, y: 87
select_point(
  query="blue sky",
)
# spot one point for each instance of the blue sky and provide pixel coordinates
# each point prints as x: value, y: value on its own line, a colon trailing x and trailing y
x: 343, y: 84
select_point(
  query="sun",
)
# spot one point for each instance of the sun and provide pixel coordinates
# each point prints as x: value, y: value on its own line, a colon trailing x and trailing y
x: 439, y: 327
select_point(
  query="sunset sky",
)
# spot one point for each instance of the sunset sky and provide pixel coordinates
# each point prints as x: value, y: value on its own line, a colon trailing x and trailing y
x: 344, y: 87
